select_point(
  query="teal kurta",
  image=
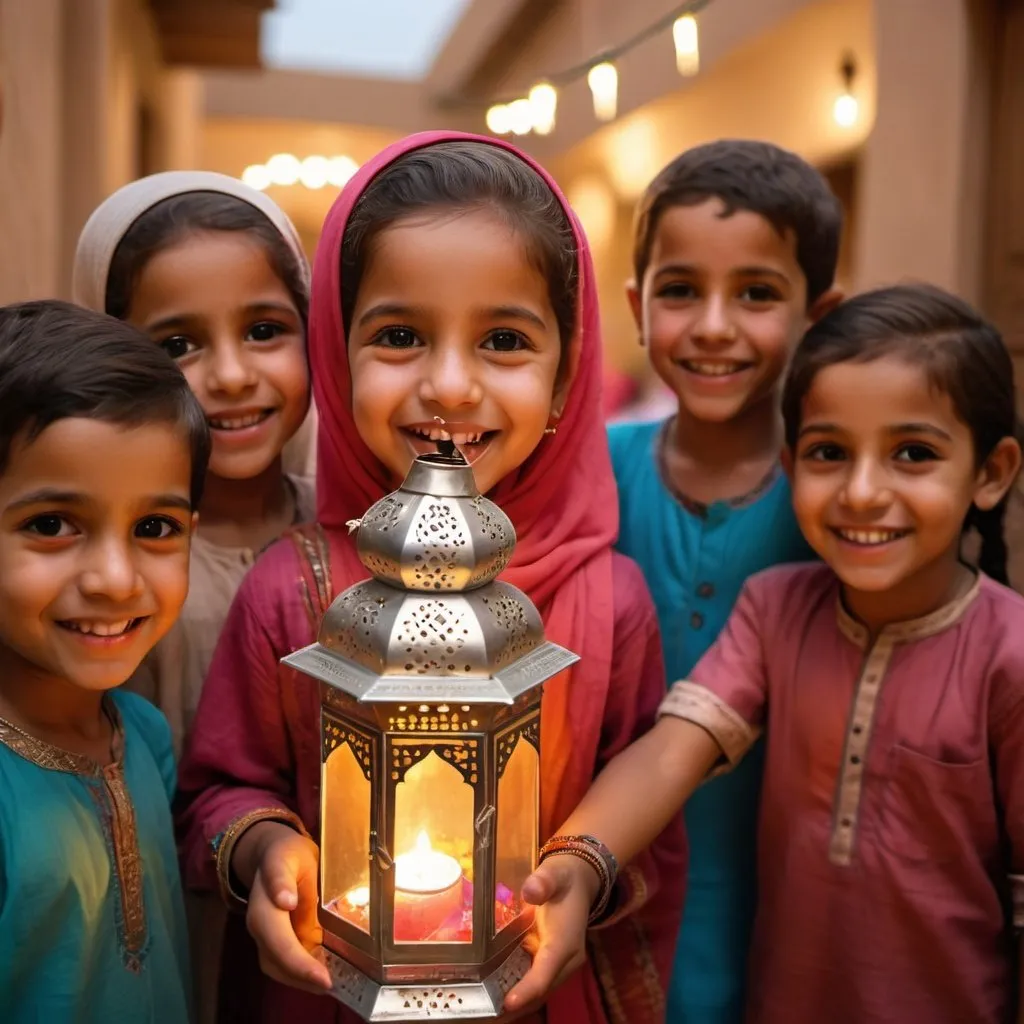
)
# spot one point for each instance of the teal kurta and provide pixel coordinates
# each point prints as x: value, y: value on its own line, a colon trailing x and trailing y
x: 92, y: 926
x: 696, y: 559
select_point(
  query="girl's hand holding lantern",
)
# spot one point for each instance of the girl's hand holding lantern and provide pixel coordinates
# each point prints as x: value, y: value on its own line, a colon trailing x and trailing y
x: 563, y: 889
x: 280, y: 868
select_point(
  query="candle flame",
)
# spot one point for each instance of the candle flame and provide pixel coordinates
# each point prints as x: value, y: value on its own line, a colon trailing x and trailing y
x: 424, y: 869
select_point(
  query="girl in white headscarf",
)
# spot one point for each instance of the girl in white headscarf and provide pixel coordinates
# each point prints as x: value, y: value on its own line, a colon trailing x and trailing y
x: 214, y: 272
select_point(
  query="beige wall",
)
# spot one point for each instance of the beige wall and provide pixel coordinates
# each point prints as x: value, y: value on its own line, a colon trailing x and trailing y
x: 76, y: 78
x: 30, y: 147
x: 925, y: 165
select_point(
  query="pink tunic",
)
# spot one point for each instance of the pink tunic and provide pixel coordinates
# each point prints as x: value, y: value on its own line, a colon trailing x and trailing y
x: 891, y: 845
x: 255, y: 750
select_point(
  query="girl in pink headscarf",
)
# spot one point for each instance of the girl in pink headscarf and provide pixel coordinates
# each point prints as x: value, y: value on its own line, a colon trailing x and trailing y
x: 452, y: 280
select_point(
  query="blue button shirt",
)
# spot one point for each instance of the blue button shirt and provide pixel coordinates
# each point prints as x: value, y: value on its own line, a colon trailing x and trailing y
x: 696, y: 559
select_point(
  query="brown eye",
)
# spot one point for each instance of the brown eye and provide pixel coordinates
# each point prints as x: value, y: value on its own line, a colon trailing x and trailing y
x: 916, y: 453
x: 505, y: 341
x: 47, y: 526
x: 677, y: 290
x: 396, y: 337
x: 760, y: 293
x: 157, y: 528
x: 177, y: 346
x: 825, y: 453
x: 263, y: 332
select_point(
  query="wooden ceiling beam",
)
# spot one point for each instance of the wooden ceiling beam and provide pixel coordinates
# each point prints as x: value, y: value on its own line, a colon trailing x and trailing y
x: 210, y: 33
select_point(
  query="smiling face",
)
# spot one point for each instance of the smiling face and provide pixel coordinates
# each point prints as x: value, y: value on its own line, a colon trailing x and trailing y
x: 452, y: 322
x: 94, y: 546
x: 884, y: 473
x: 721, y: 306
x: 214, y: 303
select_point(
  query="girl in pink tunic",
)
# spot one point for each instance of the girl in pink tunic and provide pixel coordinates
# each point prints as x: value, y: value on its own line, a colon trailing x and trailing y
x: 466, y: 293
x: 889, y: 682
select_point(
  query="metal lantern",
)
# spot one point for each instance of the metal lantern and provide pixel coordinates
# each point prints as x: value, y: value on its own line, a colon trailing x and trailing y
x: 430, y: 678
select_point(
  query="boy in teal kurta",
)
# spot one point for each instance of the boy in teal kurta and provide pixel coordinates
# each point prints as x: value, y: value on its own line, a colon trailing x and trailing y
x: 735, y: 255
x: 103, y: 449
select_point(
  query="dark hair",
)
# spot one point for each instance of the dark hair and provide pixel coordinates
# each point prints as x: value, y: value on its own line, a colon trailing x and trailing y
x: 463, y: 176
x: 59, y: 361
x: 962, y: 354
x: 171, y: 220
x: 755, y: 176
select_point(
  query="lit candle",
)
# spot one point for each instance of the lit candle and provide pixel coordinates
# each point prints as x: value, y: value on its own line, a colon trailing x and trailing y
x: 428, y: 891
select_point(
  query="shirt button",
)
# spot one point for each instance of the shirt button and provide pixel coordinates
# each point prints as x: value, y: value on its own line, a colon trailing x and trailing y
x: 855, y: 759
x: 846, y: 823
x: 706, y: 590
x: 696, y: 620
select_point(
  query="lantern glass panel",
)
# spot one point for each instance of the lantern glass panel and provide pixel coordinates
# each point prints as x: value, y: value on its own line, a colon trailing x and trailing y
x: 516, y: 842
x: 434, y: 816
x: 345, y: 857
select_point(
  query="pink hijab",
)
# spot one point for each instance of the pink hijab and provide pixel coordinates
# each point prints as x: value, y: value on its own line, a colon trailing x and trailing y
x: 562, y: 501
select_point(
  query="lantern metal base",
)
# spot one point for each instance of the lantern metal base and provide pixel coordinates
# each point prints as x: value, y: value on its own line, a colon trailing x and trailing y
x: 459, y: 1001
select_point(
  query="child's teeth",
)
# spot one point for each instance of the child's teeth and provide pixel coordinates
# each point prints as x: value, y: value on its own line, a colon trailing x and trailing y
x: 238, y: 423
x: 714, y: 369
x: 101, y: 628
x: 870, y: 536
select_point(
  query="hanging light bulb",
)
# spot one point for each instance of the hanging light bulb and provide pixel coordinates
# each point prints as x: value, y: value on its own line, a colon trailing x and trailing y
x: 256, y: 176
x: 498, y: 122
x: 543, y: 104
x: 603, y: 80
x: 284, y: 168
x: 315, y: 172
x: 846, y: 109
x: 684, y: 34
x: 520, y: 117
x: 340, y: 169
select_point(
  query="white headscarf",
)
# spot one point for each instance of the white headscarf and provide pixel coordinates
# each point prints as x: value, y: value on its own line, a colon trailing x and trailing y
x: 111, y: 220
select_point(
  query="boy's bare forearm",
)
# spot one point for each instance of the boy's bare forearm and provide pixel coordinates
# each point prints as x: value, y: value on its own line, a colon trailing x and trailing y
x: 644, y: 787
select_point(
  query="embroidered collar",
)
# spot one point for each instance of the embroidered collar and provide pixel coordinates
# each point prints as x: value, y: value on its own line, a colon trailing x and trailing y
x: 692, y: 505
x: 912, y: 629
x: 46, y: 755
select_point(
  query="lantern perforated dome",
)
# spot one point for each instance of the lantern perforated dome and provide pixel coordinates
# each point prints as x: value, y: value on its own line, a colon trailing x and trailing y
x: 436, y: 532
x: 434, y: 613
x: 404, y: 633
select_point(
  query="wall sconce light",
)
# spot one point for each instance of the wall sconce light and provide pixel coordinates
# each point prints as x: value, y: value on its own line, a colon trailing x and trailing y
x: 846, y: 109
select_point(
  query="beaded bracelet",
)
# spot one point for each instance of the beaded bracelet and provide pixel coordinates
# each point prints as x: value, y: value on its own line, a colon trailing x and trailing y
x: 597, y: 855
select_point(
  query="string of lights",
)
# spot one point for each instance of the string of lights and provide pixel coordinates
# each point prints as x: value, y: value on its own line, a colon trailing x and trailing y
x: 535, y: 112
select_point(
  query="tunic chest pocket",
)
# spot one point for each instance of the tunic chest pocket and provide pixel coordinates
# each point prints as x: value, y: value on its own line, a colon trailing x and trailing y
x: 937, y: 811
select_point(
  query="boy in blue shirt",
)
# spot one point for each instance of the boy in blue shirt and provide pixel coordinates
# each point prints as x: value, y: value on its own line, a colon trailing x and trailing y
x: 736, y: 244
x: 103, y: 452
